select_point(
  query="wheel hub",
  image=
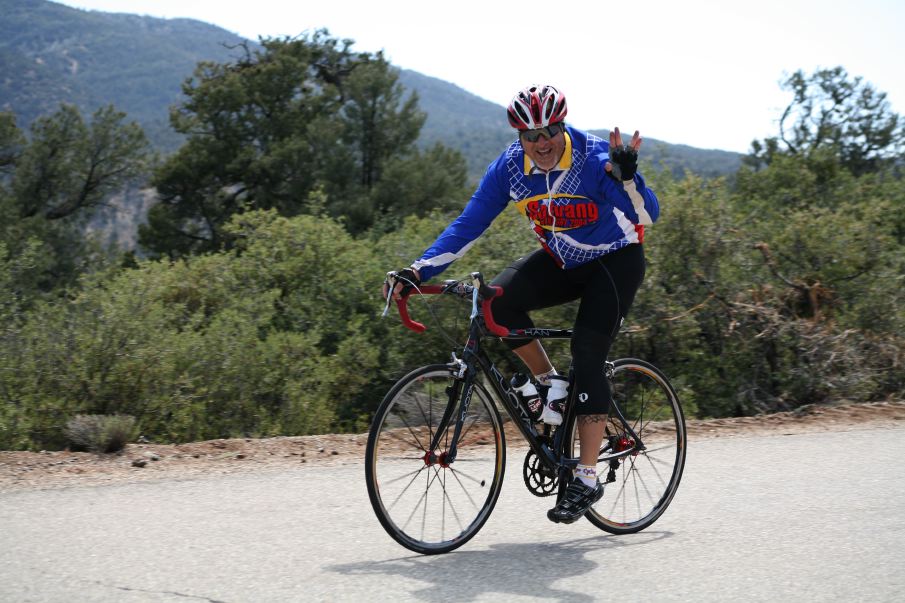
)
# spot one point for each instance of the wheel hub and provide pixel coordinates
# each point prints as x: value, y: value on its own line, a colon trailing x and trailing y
x: 623, y: 443
x: 441, y: 459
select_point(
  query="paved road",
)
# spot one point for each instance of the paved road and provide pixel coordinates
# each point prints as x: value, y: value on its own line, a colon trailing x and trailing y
x: 819, y: 516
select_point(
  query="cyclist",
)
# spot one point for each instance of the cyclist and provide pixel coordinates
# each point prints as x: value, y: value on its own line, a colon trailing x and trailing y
x: 587, y: 206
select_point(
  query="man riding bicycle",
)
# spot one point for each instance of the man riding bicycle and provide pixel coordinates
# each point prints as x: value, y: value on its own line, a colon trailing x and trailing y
x: 587, y: 205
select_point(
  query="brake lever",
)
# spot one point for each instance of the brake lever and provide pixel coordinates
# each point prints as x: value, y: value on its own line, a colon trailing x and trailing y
x: 391, y: 284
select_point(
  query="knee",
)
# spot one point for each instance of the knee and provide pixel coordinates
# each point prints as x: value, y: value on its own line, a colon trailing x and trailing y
x: 512, y: 318
x: 590, y: 347
x: 505, y: 313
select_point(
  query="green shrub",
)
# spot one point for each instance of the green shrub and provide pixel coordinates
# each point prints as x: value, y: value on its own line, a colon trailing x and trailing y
x: 100, y: 433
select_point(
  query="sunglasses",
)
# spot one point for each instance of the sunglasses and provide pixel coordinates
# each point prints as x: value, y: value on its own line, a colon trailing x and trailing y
x: 547, y: 132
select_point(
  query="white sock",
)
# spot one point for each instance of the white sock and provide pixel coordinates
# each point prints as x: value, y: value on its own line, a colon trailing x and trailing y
x: 587, y: 474
x: 559, y: 389
x: 544, y: 378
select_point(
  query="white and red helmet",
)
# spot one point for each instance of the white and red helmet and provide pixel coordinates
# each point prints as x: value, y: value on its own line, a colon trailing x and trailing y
x: 536, y: 107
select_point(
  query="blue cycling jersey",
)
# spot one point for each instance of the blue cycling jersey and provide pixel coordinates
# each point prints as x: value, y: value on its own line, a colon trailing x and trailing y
x: 577, y: 211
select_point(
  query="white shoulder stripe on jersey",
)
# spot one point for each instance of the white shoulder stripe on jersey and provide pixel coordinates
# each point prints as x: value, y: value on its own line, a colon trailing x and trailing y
x: 637, y: 202
x: 628, y: 229
x: 444, y: 258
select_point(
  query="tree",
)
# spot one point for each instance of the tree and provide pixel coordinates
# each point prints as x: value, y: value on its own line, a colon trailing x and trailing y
x: 11, y: 141
x: 51, y: 184
x: 834, y: 116
x: 377, y: 120
x: 70, y: 165
x: 822, y: 217
x: 297, y: 116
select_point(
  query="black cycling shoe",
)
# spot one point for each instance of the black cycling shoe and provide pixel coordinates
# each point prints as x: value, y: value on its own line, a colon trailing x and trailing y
x: 576, y: 502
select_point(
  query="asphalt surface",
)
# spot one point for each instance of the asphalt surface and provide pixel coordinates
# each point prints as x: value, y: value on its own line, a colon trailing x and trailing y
x: 817, y: 516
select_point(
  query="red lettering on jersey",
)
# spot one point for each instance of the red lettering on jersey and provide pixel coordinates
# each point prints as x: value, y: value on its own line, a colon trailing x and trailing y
x: 573, y: 214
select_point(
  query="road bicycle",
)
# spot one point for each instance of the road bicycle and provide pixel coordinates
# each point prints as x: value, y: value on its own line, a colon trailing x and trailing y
x: 436, y: 452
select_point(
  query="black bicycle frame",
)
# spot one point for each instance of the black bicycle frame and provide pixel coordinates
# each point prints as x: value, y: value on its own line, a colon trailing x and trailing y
x: 466, y: 369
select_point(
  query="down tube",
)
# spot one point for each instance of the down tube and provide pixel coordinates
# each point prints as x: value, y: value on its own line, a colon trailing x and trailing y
x: 518, y: 415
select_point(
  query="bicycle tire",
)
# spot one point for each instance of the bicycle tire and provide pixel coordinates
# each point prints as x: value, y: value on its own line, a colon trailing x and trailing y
x: 641, y: 490
x: 425, y: 504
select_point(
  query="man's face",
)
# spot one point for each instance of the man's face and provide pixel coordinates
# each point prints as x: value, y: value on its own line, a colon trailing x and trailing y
x: 545, y: 152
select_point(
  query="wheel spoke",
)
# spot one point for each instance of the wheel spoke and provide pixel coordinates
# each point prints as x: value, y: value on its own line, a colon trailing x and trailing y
x: 418, y: 503
x: 407, y: 486
x: 670, y: 446
x: 423, y: 499
x: 405, y: 422
x: 452, y: 507
x: 653, y: 465
x: 639, y: 478
x: 427, y: 420
x: 402, y: 477
x: 646, y: 479
x: 453, y: 500
x: 396, y: 435
x: 465, y: 491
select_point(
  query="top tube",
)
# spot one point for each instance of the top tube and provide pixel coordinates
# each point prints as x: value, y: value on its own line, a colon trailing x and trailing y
x: 485, y: 295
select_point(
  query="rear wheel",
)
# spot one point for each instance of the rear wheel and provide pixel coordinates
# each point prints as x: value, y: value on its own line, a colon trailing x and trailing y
x: 640, y: 484
x: 426, y: 502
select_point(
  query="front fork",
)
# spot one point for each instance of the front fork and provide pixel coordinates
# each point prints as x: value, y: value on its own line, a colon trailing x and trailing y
x: 465, y: 372
x: 462, y: 386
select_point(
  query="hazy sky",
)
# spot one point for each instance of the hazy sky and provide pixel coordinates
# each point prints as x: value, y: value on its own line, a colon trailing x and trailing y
x: 700, y: 72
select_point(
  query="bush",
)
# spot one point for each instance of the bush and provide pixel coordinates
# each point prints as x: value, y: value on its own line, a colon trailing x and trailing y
x: 100, y: 433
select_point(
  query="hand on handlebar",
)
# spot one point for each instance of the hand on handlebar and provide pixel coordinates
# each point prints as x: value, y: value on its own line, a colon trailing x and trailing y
x: 400, y: 282
x: 398, y: 285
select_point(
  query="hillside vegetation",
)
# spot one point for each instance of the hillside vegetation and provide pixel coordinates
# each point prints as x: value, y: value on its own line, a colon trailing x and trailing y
x: 298, y: 185
x: 51, y: 53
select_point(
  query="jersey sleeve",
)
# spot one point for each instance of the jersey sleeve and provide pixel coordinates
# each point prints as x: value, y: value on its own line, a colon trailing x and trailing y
x: 632, y: 197
x: 487, y: 202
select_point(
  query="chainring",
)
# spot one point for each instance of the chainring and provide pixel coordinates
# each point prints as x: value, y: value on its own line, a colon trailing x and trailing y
x: 539, y: 480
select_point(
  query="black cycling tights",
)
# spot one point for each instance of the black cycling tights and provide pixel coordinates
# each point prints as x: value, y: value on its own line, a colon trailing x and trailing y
x: 606, y: 287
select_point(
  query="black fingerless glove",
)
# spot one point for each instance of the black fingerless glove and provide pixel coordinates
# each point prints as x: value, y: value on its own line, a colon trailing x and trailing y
x: 408, y: 278
x: 625, y: 162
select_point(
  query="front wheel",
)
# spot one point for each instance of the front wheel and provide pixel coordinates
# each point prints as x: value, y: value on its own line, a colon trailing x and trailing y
x: 640, y: 484
x: 426, y: 502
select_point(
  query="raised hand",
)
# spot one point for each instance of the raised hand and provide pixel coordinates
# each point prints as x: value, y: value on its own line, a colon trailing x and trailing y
x: 623, y: 161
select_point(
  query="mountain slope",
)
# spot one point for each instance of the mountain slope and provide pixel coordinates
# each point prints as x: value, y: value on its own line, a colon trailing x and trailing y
x: 50, y: 53
x: 479, y: 129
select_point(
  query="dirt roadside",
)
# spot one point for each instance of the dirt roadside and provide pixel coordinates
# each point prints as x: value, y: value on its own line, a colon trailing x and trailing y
x: 148, y: 461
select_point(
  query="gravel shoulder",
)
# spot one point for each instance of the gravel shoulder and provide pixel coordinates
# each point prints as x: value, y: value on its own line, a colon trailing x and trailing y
x: 149, y: 461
